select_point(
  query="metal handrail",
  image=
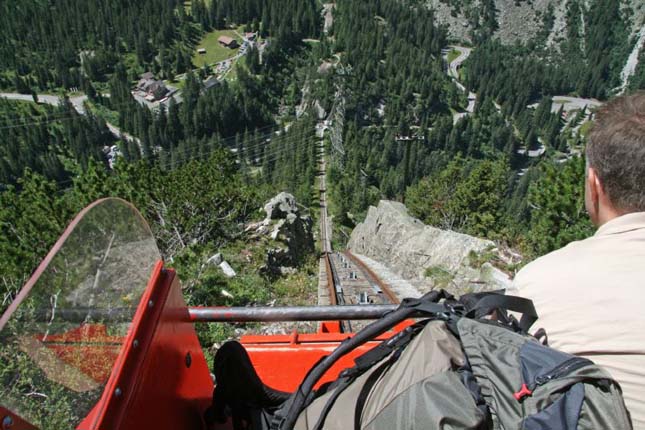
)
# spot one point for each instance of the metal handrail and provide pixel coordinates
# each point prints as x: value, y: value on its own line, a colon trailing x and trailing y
x: 289, y: 313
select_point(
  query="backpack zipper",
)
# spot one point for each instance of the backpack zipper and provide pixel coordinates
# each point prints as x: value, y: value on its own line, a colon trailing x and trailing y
x: 563, y: 369
x: 557, y: 372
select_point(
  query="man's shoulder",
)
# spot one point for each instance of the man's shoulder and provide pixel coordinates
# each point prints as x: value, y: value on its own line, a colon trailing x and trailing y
x: 555, y: 261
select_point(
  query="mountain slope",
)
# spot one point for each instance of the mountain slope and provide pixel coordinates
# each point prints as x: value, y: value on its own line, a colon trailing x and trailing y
x: 521, y: 20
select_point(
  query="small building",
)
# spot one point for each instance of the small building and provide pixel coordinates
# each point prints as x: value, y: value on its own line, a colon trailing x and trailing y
x: 143, y: 83
x: 201, y: 51
x: 228, y: 42
x: 250, y: 36
x: 151, y: 89
x: 157, y: 89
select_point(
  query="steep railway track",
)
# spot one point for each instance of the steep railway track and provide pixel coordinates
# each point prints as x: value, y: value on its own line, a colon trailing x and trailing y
x: 378, y: 284
x: 349, y: 280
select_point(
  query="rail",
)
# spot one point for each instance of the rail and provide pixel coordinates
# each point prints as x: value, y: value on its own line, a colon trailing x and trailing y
x: 325, y: 242
x: 373, y: 277
x: 289, y: 313
x: 335, y: 288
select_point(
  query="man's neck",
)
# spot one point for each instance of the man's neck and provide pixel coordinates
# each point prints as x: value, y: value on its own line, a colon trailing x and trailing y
x: 606, y: 214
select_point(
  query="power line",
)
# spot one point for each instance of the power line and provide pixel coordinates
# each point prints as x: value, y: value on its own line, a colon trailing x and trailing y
x: 267, y: 157
x: 292, y: 139
x: 232, y: 139
x: 337, y: 118
x: 67, y: 117
x: 250, y: 149
x: 63, y: 116
x: 259, y: 142
x: 285, y: 142
x: 278, y: 154
x: 18, y: 118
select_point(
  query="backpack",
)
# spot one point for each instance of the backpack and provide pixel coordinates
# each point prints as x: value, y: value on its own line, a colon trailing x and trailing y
x: 454, y: 369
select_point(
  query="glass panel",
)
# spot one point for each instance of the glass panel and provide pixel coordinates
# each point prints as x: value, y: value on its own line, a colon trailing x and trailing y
x: 58, y: 346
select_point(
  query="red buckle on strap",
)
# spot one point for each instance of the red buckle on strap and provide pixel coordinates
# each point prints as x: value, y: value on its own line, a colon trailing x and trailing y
x: 524, y: 391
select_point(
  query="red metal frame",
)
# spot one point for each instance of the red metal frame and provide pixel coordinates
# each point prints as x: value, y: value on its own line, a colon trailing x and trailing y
x: 160, y: 378
x: 282, y: 361
x: 16, y: 422
x: 153, y: 383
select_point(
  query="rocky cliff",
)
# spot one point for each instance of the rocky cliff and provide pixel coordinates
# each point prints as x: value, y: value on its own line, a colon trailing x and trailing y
x: 289, y: 229
x: 520, y: 20
x: 427, y: 256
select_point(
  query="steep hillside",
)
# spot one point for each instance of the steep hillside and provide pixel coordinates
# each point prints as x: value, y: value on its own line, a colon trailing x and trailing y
x: 513, y: 21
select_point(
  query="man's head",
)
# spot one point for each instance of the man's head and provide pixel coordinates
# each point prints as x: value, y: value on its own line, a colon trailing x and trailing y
x: 615, y: 179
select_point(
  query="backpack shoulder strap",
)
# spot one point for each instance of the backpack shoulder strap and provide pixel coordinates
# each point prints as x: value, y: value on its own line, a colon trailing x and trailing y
x: 428, y: 305
x: 366, y: 361
x: 482, y: 304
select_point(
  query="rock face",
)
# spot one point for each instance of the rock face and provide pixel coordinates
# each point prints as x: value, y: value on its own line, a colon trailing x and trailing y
x: 427, y: 256
x: 458, y: 25
x: 519, y: 20
x: 290, y: 229
x: 295, y: 232
x: 280, y: 206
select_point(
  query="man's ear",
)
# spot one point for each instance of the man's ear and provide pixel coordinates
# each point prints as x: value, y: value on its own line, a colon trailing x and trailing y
x: 594, y: 185
x: 593, y: 189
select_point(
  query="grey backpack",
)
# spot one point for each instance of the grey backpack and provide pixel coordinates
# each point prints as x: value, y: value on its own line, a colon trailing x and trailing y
x: 457, y: 370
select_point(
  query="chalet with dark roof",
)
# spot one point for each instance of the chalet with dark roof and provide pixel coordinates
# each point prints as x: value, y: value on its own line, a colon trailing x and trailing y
x: 228, y: 42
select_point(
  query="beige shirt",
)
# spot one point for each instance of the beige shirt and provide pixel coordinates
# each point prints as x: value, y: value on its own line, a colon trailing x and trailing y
x: 590, y: 298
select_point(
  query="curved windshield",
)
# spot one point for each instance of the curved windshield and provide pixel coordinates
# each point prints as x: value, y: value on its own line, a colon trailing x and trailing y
x: 61, y: 336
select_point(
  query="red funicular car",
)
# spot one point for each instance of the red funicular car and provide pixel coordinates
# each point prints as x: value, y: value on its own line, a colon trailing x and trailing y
x: 100, y: 337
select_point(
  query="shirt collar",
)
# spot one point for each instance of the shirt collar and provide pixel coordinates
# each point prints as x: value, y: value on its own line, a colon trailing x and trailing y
x: 622, y: 224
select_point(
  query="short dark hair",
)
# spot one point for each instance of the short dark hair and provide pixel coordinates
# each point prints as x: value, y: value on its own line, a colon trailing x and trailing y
x: 616, y: 151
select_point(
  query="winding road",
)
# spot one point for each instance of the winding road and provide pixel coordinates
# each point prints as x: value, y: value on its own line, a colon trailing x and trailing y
x: 453, y: 72
x: 566, y: 102
x: 453, y: 67
x: 77, y: 102
x: 79, y: 105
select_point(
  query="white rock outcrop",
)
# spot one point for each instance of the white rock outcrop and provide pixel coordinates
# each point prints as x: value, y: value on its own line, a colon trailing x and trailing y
x: 227, y: 269
x: 429, y: 257
x: 291, y: 231
x: 280, y: 206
